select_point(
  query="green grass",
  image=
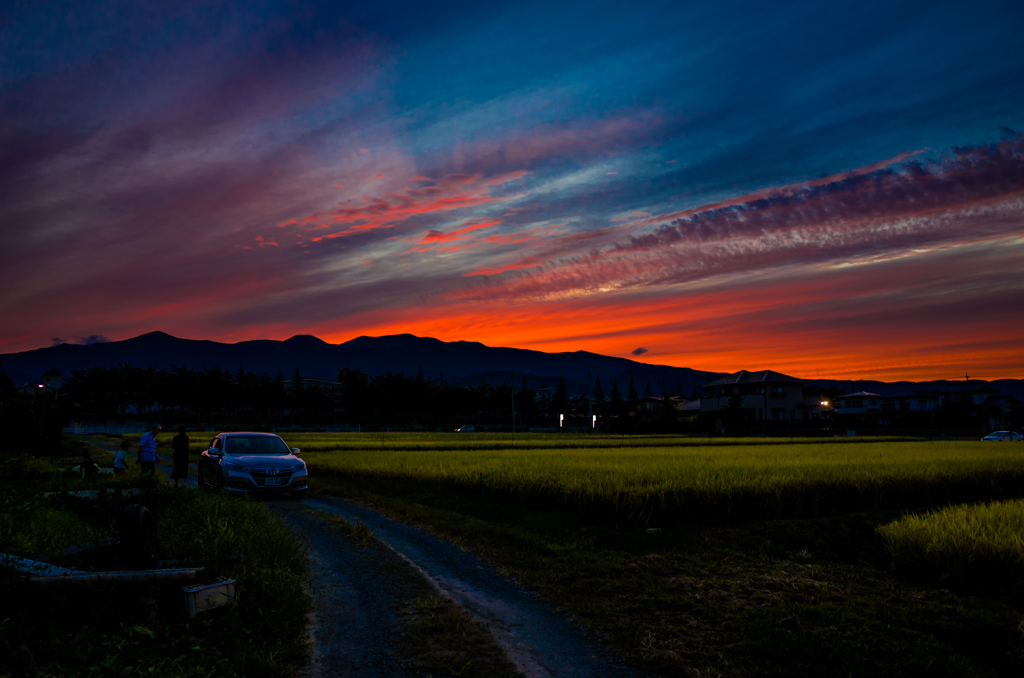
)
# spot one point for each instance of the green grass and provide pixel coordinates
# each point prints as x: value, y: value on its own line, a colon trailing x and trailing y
x: 107, y: 630
x: 979, y: 547
x: 661, y: 485
x: 806, y: 598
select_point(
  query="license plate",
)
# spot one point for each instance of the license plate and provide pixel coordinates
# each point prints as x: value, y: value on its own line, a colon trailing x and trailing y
x: 272, y: 481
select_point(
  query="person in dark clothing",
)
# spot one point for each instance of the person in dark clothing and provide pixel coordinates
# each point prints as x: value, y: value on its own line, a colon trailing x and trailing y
x: 179, y: 445
x: 90, y: 469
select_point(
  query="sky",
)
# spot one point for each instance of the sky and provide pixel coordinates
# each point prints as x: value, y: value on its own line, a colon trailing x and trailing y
x: 828, y: 190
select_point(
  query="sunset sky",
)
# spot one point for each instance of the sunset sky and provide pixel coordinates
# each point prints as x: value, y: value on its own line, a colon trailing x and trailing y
x: 823, y: 189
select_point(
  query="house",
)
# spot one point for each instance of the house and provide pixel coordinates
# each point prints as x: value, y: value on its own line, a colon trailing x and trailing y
x: 965, y: 395
x: 49, y: 383
x: 325, y: 385
x: 763, y: 395
x: 656, y: 403
x: 909, y: 401
x: 861, y: 402
x: 997, y: 408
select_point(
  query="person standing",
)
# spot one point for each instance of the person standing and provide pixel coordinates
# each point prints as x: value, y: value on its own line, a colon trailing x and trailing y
x: 147, y: 449
x: 121, y: 459
x: 179, y: 445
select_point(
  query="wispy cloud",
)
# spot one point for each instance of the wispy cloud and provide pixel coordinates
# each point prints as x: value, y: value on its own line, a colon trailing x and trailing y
x: 965, y: 195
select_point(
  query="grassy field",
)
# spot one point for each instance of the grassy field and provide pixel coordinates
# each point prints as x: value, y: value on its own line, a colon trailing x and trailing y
x: 658, y: 481
x: 974, y: 547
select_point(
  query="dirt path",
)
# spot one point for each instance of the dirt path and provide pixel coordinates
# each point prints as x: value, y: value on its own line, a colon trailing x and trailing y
x: 538, y: 640
x: 357, y: 593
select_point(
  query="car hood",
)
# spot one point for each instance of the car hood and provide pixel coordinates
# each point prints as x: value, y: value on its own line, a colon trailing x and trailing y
x: 264, y: 460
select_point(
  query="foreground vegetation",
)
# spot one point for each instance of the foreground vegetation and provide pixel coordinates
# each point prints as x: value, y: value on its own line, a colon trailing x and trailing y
x: 734, y: 570
x: 807, y: 598
x: 121, y: 630
x: 979, y: 547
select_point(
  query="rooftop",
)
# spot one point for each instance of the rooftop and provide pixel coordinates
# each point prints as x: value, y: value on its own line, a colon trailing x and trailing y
x: 744, y: 377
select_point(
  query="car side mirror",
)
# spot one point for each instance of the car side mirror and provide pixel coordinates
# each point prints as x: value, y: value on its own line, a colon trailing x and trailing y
x: 215, y: 452
x: 296, y: 451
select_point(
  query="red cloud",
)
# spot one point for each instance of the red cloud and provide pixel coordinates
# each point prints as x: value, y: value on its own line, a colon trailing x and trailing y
x: 451, y: 192
x: 433, y: 236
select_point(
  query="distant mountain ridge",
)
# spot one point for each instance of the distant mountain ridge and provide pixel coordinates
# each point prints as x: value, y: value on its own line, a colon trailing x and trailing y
x: 461, y: 362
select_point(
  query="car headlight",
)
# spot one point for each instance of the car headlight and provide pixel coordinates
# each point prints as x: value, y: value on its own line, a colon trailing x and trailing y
x: 236, y: 467
x: 301, y: 468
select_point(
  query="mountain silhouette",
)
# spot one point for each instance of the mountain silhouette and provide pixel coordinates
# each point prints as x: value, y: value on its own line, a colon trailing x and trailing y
x: 461, y: 362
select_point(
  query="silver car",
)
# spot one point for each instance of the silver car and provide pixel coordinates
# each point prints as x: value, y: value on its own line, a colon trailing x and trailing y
x: 1002, y: 435
x: 251, y: 462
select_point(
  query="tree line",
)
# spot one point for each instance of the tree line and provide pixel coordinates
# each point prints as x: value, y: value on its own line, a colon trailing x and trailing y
x: 125, y: 387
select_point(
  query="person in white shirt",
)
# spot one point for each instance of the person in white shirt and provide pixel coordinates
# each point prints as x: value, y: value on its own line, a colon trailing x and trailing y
x: 147, y: 449
x: 121, y: 459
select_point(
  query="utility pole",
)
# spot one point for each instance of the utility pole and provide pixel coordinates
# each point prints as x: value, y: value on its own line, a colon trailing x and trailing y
x: 590, y: 403
x: 513, y: 410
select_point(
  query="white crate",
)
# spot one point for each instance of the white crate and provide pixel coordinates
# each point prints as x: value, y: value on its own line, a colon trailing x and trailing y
x: 208, y: 596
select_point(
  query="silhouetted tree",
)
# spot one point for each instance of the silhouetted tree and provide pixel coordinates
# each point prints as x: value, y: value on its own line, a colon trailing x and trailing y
x: 560, y: 400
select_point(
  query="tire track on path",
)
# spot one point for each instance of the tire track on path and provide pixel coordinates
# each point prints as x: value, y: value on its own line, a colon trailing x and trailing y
x: 357, y: 594
x: 538, y: 640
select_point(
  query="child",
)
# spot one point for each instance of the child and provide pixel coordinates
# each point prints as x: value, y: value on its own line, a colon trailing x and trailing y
x: 121, y: 459
x: 90, y: 469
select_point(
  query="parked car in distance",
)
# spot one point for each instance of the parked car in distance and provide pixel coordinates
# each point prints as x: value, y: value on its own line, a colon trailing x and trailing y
x: 1003, y: 435
x: 252, y: 462
x: 465, y: 429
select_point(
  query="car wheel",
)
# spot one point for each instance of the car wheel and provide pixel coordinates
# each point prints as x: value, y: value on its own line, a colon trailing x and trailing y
x: 298, y: 495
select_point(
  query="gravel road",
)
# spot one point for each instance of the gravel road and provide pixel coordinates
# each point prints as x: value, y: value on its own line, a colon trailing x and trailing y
x: 538, y: 640
x: 357, y: 594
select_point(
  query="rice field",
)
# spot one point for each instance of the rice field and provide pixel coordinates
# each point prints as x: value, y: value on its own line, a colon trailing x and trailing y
x: 662, y: 479
x: 976, y: 546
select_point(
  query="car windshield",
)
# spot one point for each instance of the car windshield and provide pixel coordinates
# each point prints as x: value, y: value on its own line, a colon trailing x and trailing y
x: 255, y: 445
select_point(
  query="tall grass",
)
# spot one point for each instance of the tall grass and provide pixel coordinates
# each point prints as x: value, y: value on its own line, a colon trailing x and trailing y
x: 661, y: 484
x: 106, y: 630
x: 977, y: 546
